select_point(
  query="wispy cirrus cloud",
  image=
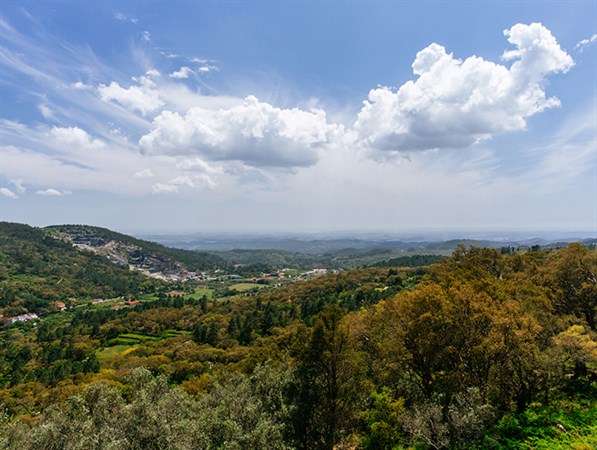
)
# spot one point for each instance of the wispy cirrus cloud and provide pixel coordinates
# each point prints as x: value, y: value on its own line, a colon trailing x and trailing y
x: 581, y: 45
x: 71, y: 159
x: 18, y: 184
x: 8, y: 193
x: 125, y: 18
x: 46, y: 111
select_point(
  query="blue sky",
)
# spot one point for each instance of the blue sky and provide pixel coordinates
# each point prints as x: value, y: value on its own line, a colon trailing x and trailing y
x: 299, y: 116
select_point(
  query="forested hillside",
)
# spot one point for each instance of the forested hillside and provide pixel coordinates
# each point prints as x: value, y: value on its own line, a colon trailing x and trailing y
x: 136, y: 250
x: 36, y: 269
x: 482, y: 350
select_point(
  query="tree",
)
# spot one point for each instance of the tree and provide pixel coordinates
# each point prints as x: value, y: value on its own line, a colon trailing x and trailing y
x: 245, y: 412
x: 382, y: 421
x: 577, y: 351
x: 329, y: 383
x: 203, y: 304
x: 573, y: 278
x: 442, y: 339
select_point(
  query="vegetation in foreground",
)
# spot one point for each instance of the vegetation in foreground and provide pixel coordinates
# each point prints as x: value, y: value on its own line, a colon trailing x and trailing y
x: 480, y: 351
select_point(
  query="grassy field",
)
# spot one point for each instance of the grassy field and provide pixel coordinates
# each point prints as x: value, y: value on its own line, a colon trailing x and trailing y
x: 174, y: 333
x: 129, y: 339
x: 200, y: 292
x: 128, y: 342
x: 241, y: 287
x: 111, y: 352
x: 138, y: 337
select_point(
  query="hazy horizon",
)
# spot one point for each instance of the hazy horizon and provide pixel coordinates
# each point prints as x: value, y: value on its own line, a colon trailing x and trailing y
x: 410, y: 233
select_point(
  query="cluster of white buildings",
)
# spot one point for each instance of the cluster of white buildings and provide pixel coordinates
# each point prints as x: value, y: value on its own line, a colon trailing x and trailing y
x: 22, y: 318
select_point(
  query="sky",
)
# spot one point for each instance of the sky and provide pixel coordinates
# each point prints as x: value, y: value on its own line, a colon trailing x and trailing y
x: 302, y: 116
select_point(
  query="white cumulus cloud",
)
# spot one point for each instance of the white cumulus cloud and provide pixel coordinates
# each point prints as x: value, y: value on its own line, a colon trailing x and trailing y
x: 51, y: 192
x: 255, y: 133
x: 145, y: 173
x: 183, y: 72
x: 144, y: 97
x: 75, y: 137
x: 80, y: 86
x: 183, y: 180
x: 455, y: 103
x: 207, y: 68
x: 196, y: 164
x: 164, y: 188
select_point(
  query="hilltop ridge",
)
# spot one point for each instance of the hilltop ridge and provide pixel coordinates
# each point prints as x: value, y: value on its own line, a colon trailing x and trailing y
x: 151, y: 258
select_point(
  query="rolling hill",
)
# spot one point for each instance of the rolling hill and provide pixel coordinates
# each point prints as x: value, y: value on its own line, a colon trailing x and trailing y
x: 75, y: 263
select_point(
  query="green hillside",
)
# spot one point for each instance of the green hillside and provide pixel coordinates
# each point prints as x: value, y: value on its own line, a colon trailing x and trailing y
x: 36, y: 269
x: 138, y: 249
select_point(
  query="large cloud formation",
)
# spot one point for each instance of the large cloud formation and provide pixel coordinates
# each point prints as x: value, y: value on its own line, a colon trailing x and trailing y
x: 159, y: 134
x: 255, y: 133
x: 454, y: 103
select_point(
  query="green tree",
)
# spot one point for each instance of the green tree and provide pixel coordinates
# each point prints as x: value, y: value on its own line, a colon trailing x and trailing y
x: 573, y: 278
x: 382, y: 421
x: 329, y: 383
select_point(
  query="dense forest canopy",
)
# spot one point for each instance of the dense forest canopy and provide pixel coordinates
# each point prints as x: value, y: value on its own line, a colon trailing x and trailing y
x: 485, y: 349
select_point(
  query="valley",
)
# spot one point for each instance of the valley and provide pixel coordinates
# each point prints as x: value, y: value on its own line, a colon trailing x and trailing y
x: 400, y: 338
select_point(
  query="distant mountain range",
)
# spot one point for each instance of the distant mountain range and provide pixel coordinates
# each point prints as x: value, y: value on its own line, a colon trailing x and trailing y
x: 330, y: 245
